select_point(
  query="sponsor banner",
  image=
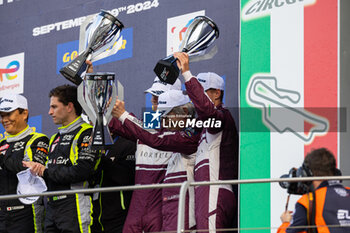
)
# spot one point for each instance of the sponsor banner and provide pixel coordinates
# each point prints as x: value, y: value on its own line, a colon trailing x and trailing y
x: 287, y: 70
x: 68, y: 51
x: 256, y: 8
x: 40, y: 35
x: 34, y: 122
x: 12, y: 74
x: 76, y: 22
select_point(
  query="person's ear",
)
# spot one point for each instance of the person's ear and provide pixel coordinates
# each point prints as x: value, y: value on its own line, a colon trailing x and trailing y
x: 217, y: 94
x: 25, y: 114
x: 70, y: 107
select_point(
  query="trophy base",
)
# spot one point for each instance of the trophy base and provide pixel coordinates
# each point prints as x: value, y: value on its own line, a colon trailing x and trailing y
x: 167, y: 70
x: 73, y: 70
x: 101, y: 138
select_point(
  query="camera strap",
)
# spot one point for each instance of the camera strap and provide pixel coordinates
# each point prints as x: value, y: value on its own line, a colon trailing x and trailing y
x: 311, y: 213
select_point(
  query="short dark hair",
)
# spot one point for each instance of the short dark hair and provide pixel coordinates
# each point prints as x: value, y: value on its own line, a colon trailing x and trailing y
x: 66, y: 94
x: 21, y: 110
x: 222, y: 95
x: 321, y: 162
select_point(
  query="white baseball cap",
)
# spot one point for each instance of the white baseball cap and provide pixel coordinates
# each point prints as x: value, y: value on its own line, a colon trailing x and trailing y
x: 158, y: 87
x: 29, y: 184
x: 171, y: 99
x: 10, y: 102
x: 211, y: 80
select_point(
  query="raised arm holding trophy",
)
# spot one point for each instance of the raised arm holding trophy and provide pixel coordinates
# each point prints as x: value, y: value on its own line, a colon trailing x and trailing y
x: 99, y: 38
x: 200, y: 34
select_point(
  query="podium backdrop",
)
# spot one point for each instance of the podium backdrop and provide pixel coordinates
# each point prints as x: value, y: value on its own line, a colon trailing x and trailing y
x: 280, y: 59
x: 39, y: 37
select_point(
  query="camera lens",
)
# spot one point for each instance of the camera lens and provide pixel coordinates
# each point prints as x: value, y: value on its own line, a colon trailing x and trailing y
x: 284, y: 185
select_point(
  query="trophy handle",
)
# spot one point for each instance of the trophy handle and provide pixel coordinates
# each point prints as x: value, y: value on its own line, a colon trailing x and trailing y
x: 111, y: 105
x: 120, y: 91
x: 81, y: 99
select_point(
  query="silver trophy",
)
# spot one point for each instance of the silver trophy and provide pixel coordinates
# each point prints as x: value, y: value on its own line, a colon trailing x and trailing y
x: 94, y: 94
x: 97, y: 40
x: 200, y: 34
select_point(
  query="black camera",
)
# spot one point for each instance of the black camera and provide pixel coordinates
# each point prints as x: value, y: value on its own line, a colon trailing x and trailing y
x: 298, y: 188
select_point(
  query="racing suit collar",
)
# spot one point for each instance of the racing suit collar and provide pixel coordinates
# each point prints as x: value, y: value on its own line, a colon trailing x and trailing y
x: 24, y: 133
x: 71, y: 126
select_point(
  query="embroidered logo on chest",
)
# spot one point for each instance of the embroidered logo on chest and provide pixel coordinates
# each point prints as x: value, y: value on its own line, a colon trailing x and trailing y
x: 67, y: 137
x: 18, y: 146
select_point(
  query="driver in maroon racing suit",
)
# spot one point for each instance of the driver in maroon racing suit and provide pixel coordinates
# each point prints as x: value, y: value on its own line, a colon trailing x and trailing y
x: 145, y: 211
x: 217, y: 154
x: 172, y: 134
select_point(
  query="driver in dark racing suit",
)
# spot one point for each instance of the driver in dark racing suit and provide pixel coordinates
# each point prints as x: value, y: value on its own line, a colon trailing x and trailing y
x: 21, y: 144
x: 70, y: 165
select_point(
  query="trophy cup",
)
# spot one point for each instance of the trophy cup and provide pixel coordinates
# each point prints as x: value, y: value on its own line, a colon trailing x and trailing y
x: 94, y: 93
x: 98, y: 37
x: 200, y: 34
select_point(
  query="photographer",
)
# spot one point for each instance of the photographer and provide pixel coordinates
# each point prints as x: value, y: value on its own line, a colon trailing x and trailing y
x: 330, y: 208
